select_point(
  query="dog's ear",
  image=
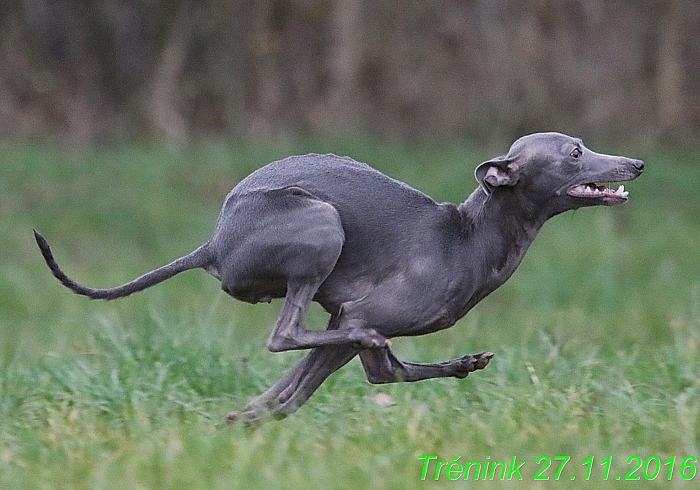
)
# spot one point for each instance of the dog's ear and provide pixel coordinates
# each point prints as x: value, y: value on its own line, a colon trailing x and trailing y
x: 496, y: 172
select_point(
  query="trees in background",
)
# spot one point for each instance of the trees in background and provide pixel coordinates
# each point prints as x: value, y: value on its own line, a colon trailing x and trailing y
x: 91, y: 71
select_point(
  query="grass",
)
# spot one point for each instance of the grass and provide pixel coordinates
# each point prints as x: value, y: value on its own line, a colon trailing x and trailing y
x: 597, y: 339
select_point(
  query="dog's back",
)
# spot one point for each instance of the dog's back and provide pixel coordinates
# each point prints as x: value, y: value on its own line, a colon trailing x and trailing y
x: 383, y: 219
x: 340, y: 181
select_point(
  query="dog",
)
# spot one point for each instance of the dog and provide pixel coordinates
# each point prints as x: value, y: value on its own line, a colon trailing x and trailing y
x: 383, y: 259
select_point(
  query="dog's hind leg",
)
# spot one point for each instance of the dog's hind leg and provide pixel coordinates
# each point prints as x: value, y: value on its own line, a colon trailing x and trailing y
x: 294, y: 240
x: 291, y: 333
x: 382, y: 366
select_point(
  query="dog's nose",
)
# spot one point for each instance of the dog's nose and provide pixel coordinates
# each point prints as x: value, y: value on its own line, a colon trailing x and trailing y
x: 638, y: 164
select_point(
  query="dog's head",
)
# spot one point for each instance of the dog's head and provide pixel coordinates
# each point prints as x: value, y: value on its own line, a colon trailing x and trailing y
x: 559, y: 170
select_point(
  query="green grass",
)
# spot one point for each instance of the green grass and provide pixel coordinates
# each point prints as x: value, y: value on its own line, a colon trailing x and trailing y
x: 597, y: 338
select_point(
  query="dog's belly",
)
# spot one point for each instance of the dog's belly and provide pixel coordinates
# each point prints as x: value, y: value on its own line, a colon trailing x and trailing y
x: 254, y: 290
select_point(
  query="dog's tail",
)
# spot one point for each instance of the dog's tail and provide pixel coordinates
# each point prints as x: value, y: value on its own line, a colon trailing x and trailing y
x: 198, y: 258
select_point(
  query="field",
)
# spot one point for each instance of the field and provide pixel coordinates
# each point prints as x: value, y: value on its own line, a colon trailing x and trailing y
x: 597, y: 341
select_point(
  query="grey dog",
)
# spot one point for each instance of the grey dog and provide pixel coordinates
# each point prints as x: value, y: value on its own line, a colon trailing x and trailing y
x: 384, y: 259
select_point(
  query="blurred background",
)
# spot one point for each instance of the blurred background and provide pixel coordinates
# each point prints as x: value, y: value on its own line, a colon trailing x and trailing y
x: 79, y: 72
x: 124, y: 123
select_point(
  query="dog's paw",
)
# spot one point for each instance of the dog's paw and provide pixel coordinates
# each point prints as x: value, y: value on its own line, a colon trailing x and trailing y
x: 251, y: 418
x: 367, y: 338
x: 470, y: 363
x: 482, y: 360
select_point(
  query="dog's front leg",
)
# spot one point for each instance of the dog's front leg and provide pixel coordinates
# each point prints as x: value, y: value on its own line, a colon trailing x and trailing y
x: 297, y: 385
x: 382, y: 366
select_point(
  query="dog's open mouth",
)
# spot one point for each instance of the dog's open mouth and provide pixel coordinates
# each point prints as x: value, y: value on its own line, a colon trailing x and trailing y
x: 592, y: 190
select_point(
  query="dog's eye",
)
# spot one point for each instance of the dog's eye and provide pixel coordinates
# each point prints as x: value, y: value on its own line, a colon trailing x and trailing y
x: 576, y: 153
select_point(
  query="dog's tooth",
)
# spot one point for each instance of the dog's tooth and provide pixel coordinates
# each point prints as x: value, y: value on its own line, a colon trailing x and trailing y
x: 620, y: 190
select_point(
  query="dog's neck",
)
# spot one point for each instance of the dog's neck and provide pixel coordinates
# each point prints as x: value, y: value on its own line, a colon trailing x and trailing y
x: 499, y: 227
x: 504, y: 212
